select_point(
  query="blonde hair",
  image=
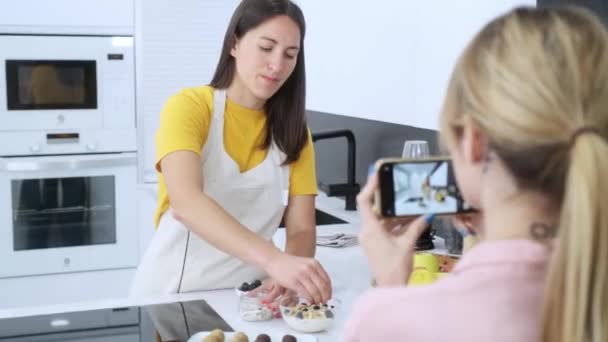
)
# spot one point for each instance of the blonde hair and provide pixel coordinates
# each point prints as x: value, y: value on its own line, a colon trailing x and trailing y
x: 530, y: 80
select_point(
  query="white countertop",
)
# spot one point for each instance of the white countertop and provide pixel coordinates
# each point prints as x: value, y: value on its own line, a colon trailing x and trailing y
x: 347, y: 268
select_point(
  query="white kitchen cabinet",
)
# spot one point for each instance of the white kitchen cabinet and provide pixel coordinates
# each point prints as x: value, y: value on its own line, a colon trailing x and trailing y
x: 65, y: 288
x: 389, y: 61
x: 99, y: 325
x: 133, y: 337
x: 81, y: 337
x: 177, y: 46
x: 68, y: 17
x: 146, y: 205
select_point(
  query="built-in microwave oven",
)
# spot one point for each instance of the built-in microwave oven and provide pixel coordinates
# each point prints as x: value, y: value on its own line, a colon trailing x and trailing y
x: 81, y: 88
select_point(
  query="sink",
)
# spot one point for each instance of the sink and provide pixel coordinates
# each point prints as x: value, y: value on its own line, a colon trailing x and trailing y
x: 322, y: 218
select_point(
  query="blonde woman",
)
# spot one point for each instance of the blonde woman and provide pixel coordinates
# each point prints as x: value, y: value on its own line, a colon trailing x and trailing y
x: 526, y: 123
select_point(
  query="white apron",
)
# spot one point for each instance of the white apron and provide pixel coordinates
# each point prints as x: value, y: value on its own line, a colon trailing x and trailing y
x: 177, y: 260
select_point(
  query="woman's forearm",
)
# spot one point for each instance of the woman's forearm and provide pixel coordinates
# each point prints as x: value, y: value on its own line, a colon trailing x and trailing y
x: 301, y: 232
x: 301, y: 243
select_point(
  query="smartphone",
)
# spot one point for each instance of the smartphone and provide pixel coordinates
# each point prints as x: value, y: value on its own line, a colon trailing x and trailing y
x: 409, y: 187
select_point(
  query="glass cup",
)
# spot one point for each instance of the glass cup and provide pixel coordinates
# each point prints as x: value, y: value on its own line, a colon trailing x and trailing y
x: 252, y: 307
x: 415, y: 149
x: 419, y: 149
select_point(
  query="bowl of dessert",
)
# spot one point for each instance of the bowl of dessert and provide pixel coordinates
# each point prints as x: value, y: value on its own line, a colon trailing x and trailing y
x: 306, y: 317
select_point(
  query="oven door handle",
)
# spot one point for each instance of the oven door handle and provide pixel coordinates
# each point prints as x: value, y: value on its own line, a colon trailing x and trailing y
x: 52, y: 164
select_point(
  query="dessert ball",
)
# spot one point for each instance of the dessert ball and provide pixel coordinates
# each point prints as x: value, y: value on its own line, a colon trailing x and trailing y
x: 213, y: 338
x: 262, y: 338
x: 289, y: 338
x: 239, y: 337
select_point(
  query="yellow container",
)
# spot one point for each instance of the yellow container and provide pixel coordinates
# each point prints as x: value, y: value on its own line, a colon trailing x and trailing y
x: 426, y: 267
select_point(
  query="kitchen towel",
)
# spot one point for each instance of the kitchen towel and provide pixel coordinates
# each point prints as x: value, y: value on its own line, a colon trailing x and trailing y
x: 337, y: 240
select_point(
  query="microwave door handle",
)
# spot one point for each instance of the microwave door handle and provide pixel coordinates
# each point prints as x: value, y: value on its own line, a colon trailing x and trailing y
x: 52, y: 165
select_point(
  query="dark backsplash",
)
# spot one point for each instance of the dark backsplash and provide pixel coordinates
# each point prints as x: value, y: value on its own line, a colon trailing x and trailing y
x: 599, y: 7
x: 374, y: 140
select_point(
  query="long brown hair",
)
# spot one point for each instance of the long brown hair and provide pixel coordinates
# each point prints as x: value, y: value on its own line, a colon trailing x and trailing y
x: 285, y: 110
x: 535, y: 81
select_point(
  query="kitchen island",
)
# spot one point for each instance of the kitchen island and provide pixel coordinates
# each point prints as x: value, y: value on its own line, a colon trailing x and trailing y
x: 346, y: 266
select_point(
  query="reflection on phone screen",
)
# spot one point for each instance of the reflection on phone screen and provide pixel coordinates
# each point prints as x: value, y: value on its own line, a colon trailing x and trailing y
x: 428, y: 187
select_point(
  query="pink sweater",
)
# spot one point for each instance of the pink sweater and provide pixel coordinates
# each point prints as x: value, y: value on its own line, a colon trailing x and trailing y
x: 494, y: 293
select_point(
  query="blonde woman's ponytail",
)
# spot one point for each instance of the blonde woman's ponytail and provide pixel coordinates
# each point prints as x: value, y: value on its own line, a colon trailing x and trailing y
x: 576, y: 299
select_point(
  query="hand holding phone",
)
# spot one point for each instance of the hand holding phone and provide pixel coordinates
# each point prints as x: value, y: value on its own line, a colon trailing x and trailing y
x: 388, y: 244
x: 414, y: 187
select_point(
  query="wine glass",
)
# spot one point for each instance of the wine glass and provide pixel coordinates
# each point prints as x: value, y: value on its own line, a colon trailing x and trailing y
x: 415, y: 149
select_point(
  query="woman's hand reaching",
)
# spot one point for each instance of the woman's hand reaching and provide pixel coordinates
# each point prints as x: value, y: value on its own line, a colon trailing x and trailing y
x: 303, y: 275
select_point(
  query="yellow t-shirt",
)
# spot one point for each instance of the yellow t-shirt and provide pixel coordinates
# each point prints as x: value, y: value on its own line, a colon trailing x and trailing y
x: 184, y: 125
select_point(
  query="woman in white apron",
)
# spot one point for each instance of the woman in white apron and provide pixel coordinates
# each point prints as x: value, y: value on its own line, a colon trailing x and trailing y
x: 216, y: 230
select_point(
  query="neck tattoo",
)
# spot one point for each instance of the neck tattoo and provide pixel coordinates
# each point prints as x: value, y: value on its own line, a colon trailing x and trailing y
x: 542, y: 231
x: 486, y: 162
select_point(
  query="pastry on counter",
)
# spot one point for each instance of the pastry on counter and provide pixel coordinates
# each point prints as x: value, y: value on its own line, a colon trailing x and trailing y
x: 239, y: 337
x: 216, y: 335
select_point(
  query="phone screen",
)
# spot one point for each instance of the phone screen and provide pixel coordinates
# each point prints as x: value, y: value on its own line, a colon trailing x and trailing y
x: 413, y: 188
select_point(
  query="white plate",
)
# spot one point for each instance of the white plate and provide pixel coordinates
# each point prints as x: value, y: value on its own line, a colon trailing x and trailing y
x: 198, y: 337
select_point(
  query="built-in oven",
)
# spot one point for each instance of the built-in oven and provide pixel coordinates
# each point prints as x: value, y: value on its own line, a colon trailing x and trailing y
x: 81, y: 85
x: 67, y: 213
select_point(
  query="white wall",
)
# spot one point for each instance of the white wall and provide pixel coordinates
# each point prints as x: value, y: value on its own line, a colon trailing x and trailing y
x: 177, y: 46
x: 67, y: 16
x: 388, y: 60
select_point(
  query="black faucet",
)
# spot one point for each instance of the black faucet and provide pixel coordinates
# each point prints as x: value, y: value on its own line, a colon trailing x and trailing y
x: 349, y: 190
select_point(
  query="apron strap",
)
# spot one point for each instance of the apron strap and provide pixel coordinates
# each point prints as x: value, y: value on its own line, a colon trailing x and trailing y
x: 219, y: 104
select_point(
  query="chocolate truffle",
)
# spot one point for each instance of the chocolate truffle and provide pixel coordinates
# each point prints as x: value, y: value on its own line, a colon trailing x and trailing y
x: 262, y: 338
x: 289, y: 338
